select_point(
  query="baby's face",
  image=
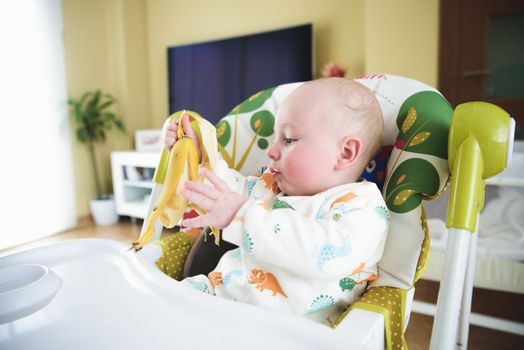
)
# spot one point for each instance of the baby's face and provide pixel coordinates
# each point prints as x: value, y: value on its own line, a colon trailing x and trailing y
x: 306, y: 146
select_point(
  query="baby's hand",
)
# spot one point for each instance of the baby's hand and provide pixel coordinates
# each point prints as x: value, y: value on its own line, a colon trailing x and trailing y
x: 220, y: 203
x: 170, y: 138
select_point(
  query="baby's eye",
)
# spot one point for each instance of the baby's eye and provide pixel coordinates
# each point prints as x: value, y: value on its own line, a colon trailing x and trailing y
x: 288, y: 141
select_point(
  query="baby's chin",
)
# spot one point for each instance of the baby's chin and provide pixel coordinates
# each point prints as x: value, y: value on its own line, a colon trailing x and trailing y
x: 293, y: 191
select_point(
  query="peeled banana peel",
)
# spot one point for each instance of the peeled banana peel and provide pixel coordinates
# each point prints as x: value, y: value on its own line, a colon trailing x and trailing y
x: 182, y: 166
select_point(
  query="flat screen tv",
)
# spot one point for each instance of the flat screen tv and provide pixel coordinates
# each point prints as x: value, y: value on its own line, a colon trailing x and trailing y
x: 211, y: 78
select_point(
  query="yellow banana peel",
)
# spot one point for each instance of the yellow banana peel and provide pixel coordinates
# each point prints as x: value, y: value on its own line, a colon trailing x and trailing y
x: 182, y: 166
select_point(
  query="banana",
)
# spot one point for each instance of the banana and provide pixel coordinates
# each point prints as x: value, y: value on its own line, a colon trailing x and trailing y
x: 182, y: 166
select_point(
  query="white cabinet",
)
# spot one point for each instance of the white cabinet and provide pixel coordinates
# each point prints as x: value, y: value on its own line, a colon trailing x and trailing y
x: 133, y: 181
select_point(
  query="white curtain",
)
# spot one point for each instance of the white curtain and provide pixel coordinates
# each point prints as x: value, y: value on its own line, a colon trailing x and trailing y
x: 36, y: 181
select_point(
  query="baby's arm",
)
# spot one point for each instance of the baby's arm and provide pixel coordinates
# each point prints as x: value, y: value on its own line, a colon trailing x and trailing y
x: 309, y: 246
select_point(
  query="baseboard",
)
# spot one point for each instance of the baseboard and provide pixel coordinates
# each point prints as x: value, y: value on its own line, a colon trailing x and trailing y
x: 84, y: 220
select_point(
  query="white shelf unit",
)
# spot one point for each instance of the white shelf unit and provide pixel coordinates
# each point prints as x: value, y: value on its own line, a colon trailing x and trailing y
x: 133, y: 181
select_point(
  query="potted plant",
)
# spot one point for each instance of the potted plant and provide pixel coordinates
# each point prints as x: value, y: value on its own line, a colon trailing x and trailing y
x: 93, y: 121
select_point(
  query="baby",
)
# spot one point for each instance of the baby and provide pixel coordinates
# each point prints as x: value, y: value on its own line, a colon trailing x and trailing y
x: 309, y: 233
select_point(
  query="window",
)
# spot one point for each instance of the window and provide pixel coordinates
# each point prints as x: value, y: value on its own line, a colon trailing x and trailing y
x: 36, y: 181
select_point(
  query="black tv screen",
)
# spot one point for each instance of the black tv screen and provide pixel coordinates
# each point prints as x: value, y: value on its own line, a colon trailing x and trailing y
x: 211, y: 78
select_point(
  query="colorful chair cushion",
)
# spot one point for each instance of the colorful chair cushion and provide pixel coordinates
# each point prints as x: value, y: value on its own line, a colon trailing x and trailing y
x: 411, y: 166
x: 416, y: 121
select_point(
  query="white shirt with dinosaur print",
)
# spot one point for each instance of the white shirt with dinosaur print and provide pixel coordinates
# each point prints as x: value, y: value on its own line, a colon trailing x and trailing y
x: 309, y: 255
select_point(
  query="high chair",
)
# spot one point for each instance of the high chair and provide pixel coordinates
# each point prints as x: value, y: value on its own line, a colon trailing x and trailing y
x: 94, y: 293
x: 412, y: 165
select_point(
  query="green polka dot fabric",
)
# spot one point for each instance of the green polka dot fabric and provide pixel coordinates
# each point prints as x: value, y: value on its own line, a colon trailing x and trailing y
x: 411, y: 166
x: 176, y: 247
x: 389, y: 302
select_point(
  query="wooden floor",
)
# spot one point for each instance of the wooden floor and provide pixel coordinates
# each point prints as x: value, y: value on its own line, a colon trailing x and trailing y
x: 505, y: 305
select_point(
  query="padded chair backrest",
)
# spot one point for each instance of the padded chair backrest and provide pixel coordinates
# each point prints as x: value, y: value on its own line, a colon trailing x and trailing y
x: 411, y: 165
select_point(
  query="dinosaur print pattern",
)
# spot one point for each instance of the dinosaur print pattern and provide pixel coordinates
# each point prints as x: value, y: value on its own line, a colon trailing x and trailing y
x: 320, y: 303
x: 270, y: 182
x: 329, y: 251
x: 338, y: 207
x: 359, y: 269
x: 337, y: 212
x: 265, y: 280
x: 347, y: 283
x: 280, y: 204
x: 200, y: 286
x: 215, y: 278
x: 230, y: 275
x: 250, y: 185
x: 372, y: 277
x: 383, y: 213
x: 247, y: 242
x: 236, y: 254
x: 343, y: 199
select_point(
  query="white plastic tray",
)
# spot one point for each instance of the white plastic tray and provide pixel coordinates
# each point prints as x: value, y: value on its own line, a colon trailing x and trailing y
x: 111, y: 298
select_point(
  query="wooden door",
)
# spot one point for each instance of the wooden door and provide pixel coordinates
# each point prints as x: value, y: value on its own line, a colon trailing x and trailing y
x: 481, y: 54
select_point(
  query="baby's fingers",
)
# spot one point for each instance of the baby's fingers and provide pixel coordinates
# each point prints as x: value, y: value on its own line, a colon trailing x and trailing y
x: 170, y: 136
x: 186, y: 124
x: 197, y: 198
x: 215, y: 180
x: 198, y: 221
x: 202, y: 188
x: 190, y: 132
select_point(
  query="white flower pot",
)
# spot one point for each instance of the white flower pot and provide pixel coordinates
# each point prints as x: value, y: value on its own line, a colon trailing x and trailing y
x: 103, y: 210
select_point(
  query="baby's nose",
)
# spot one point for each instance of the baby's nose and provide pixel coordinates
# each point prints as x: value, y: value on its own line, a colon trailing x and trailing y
x: 272, y: 152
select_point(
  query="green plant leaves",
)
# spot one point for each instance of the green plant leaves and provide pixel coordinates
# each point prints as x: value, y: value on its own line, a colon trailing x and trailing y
x: 91, y: 117
x: 93, y: 121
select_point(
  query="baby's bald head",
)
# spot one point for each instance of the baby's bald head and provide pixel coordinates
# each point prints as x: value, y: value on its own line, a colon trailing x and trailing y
x: 355, y: 110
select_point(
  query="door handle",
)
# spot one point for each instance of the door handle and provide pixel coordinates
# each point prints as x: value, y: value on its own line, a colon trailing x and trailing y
x: 476, y: 73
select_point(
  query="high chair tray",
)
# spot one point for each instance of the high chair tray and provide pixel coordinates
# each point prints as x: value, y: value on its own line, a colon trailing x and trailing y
x: 112, y: 298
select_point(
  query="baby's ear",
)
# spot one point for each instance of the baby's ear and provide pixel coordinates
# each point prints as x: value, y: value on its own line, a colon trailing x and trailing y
x: 349, y: 152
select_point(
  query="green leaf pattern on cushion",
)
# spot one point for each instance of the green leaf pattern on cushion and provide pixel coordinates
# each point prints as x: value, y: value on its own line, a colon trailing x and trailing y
x: 223, y: 132
x: 411, y: 178
x: 261, y: 123
x: 253, y: 102
x: 263, y: 143
x: 423, y: 121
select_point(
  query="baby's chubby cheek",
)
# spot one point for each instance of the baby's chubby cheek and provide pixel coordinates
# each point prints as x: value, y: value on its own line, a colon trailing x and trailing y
x: 298, y: 175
